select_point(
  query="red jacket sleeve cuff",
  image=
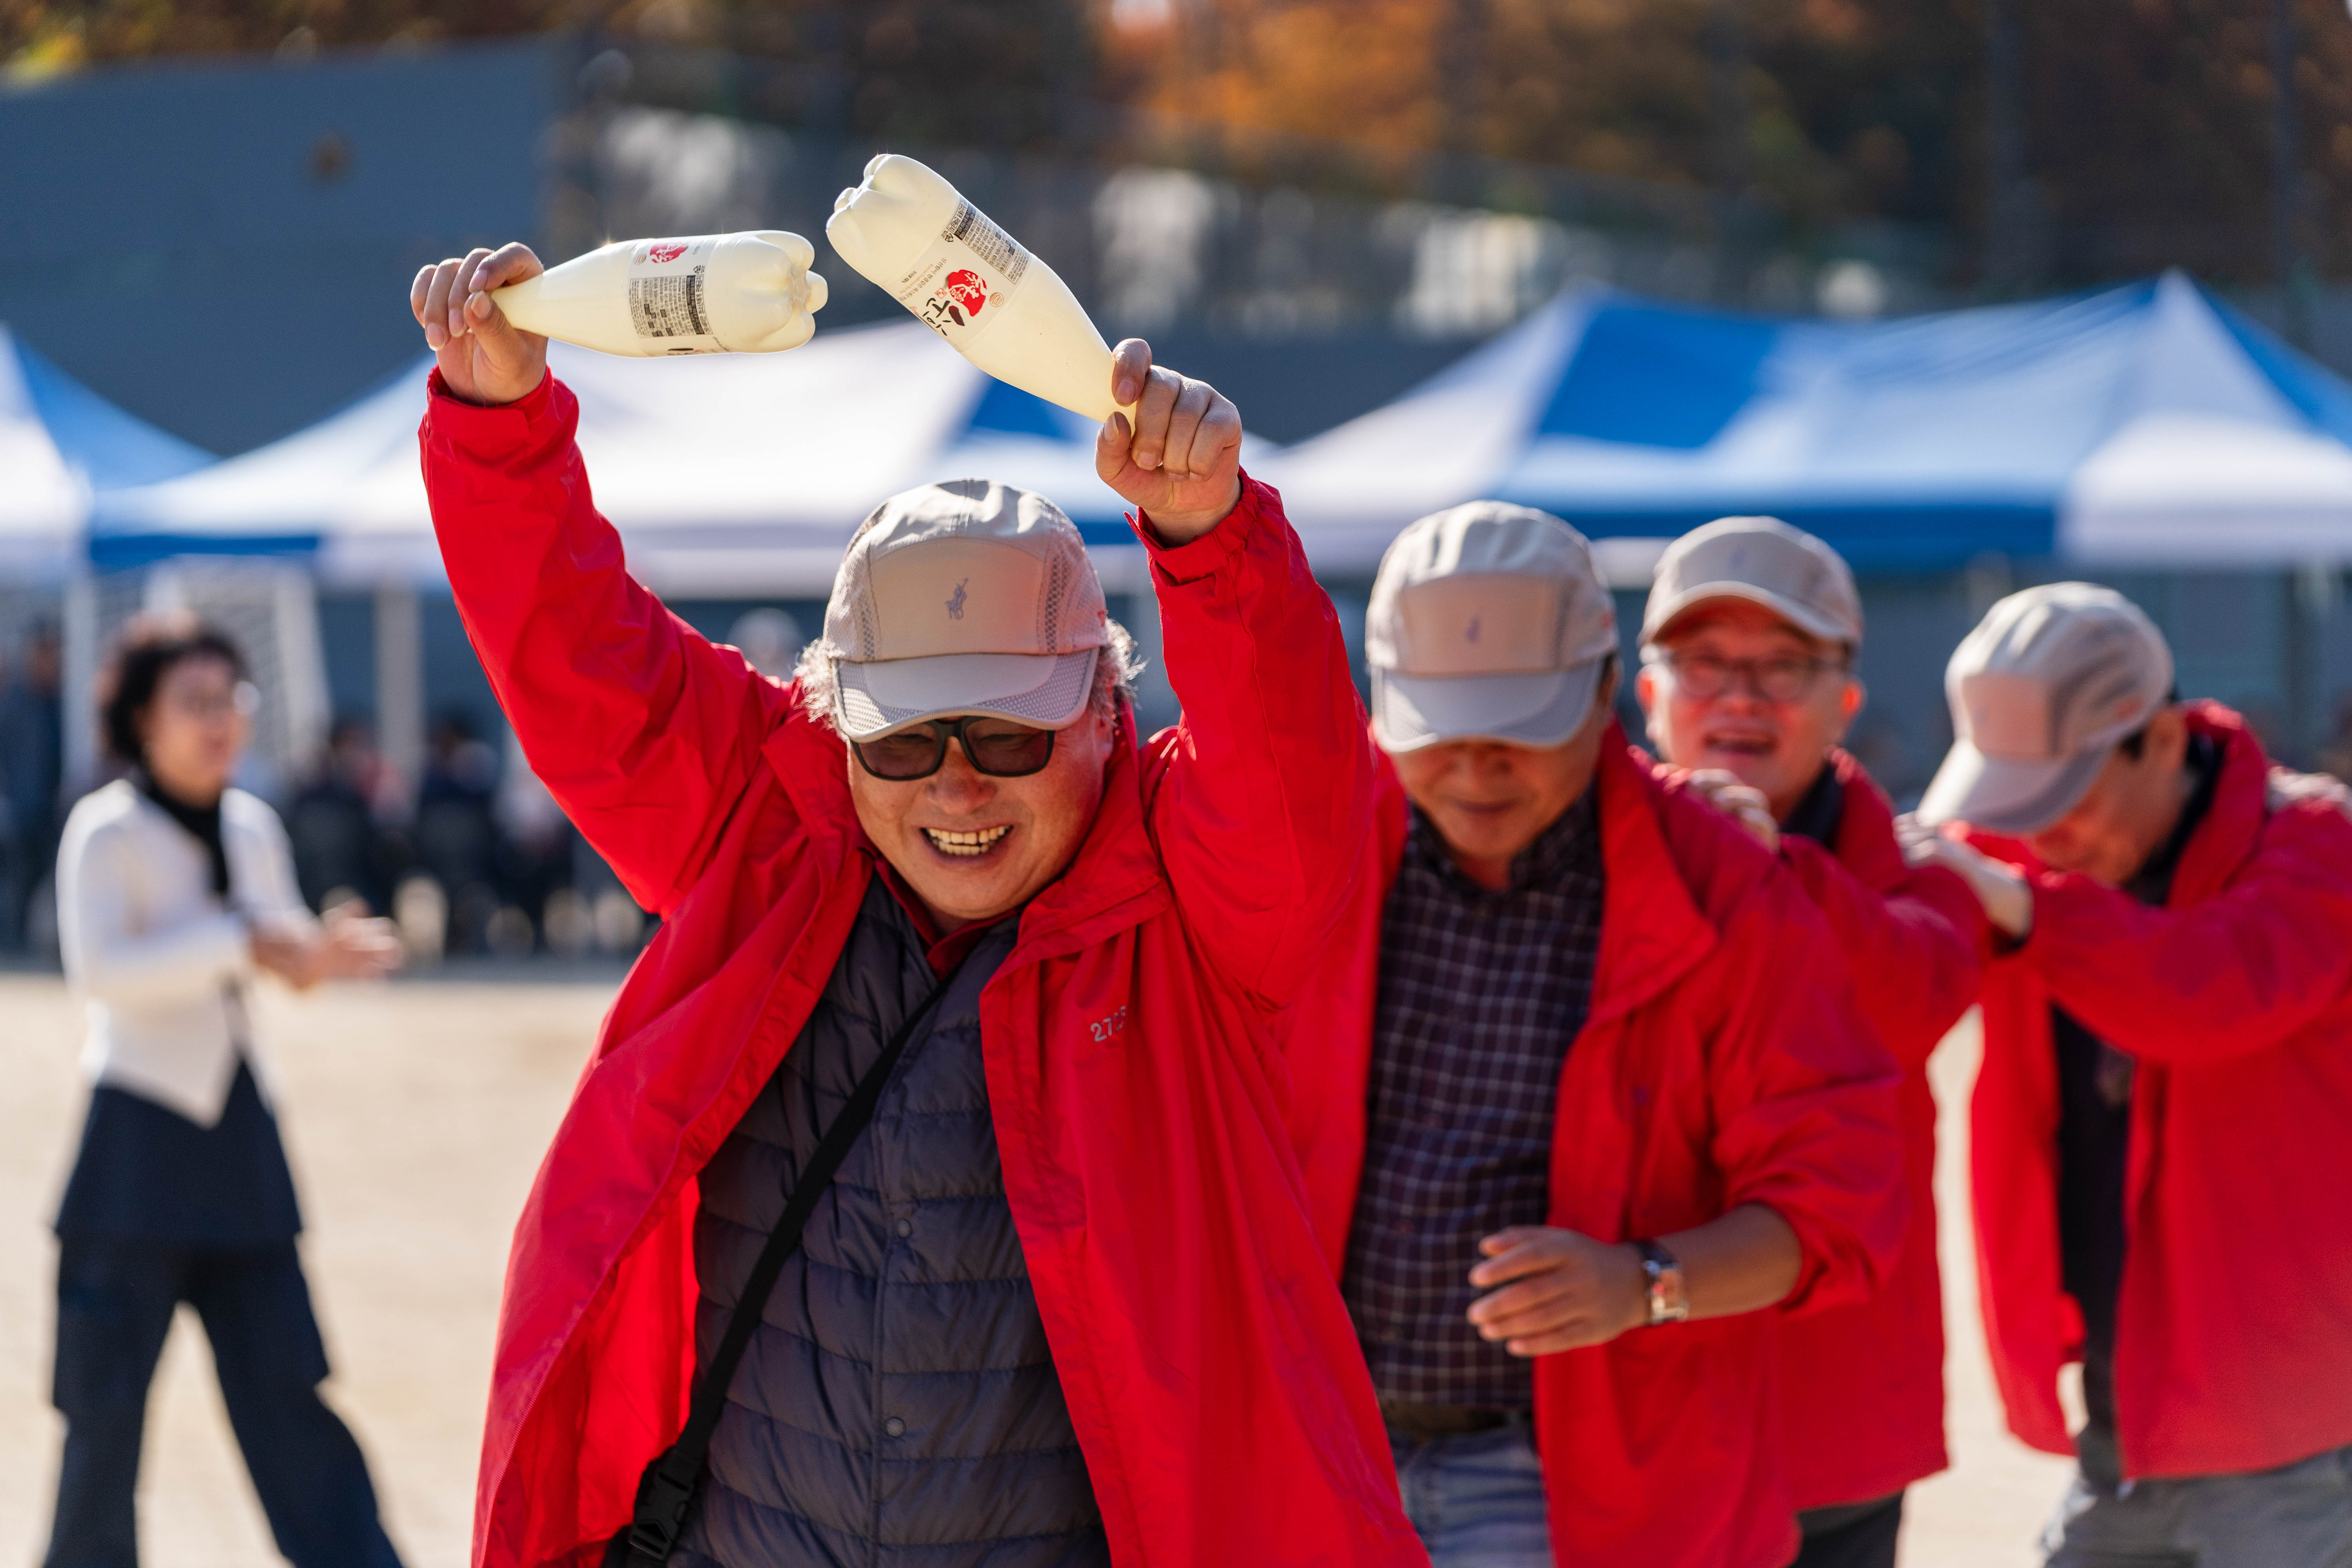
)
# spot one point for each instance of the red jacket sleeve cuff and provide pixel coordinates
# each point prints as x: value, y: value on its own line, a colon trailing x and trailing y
x: 487, y: 429
x: 1199, y: 558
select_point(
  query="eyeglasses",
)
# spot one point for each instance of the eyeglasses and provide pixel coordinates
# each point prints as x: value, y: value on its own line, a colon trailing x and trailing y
x: 997, y: 747
x: 242, y: 700
x: 1783, y: 678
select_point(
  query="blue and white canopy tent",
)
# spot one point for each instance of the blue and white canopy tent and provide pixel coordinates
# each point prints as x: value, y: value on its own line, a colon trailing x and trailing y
x: 61, y: 445
x: 2148, y: 425
x: 731, y: 476
x: 1022, y: 439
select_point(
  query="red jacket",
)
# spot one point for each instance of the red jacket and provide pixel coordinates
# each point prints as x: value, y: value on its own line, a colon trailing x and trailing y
x: 1722, y: 1062
x: 1862, y: 1386
x: 1213, y: 1376
x: 2234, y: 1331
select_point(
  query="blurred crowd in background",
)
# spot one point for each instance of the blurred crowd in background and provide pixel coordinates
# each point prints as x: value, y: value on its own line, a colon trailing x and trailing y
x: 476, y: 859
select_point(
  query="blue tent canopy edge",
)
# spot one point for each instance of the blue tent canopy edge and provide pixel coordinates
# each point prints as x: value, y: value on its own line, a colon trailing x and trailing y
x: 112, y: 448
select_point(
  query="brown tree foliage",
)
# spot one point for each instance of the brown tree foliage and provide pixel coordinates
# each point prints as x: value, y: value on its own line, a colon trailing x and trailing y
x: 2148, y: 123
x: 996, y: 73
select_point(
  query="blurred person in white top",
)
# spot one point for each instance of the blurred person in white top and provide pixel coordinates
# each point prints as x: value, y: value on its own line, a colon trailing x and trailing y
x: 174, y: 893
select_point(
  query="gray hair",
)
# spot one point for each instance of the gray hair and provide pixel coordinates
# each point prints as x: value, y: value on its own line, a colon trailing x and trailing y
x: 1115, y: 673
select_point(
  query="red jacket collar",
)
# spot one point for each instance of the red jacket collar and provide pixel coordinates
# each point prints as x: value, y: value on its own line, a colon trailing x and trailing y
x: 1866, y: 836
x: 2232, y: 827
x: 1114, y: 881
x: 1651, y: 926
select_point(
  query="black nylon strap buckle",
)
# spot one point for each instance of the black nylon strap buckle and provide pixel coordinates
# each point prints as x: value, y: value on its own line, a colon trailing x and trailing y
x: 662, y: 1501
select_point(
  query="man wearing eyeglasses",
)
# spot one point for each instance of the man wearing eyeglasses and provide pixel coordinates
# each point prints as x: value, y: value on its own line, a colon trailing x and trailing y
x: 1061, y: 1304
x: 1581, y: 1094
x: 1748, y: 642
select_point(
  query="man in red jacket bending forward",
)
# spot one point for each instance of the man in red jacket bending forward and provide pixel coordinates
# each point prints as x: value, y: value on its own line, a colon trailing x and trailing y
x: 1062, y: 1305
x: 2163, y: 1125
x: 1748, y: 645
x: 1586, y: 1090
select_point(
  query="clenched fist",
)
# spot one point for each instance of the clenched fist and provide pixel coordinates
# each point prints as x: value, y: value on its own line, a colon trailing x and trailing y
x: 484, y: 358
x: 1181, y: 461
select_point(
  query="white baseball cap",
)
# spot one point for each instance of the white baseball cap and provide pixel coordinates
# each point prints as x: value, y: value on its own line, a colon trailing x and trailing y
x: 1487, y: 622
x: 967, y: 596
x: 2050, y: 680
x: 1765, y: 562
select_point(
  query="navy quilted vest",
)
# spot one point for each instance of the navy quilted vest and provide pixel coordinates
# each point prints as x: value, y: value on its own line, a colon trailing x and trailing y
x: 898, y: 1406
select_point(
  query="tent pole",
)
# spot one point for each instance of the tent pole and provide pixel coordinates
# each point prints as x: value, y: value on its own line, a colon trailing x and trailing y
x: 400, y: 683
x: 2311, y: 591
x: 80, y: 681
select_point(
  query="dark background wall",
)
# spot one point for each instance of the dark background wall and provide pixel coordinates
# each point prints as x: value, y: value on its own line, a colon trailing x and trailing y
x: 224, y: 248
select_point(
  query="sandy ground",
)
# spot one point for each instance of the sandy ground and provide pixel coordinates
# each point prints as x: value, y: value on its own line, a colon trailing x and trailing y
x: 415, y: 1115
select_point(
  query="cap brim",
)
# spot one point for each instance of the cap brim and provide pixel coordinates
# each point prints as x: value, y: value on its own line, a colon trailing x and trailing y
x: 1410, y: 712
x: 875, y: 697
x: 2007, y: 797
x: 1804, y: 618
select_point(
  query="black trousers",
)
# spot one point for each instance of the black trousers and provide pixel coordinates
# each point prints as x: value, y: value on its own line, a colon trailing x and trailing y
x: 115, y: 1302
x: 1862, y: 1536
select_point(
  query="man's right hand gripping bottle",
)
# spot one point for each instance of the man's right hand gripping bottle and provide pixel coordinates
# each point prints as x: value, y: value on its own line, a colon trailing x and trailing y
x: 1004, y: 309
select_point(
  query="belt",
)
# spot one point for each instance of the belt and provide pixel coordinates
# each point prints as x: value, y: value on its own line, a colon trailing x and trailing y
x: 1410, y: 1418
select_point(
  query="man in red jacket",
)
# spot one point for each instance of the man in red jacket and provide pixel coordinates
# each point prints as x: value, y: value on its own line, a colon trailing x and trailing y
x: 1748, y: 644
x: 1586, y: 1091
x: 1061, y: 1304
x: 2163, y: 1125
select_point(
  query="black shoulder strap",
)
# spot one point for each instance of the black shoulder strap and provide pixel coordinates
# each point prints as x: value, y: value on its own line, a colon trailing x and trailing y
x: 667, y: 1489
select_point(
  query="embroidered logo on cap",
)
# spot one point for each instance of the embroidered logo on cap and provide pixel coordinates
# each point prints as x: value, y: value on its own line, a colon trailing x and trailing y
x: 955, y: 604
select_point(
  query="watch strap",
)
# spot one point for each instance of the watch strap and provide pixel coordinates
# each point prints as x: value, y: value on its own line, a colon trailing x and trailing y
x: 1669, y: 1303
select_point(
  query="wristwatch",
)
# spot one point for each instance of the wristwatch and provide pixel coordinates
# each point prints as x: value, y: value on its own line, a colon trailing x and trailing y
x: 1668, y: 1304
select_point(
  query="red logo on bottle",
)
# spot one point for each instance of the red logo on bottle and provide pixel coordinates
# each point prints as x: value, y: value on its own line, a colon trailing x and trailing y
x: 666, y: 253
x: 969, y: 290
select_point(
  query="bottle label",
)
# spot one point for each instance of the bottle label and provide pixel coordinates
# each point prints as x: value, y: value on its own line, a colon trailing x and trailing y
x: 964, y: 278
x: 669, y: 294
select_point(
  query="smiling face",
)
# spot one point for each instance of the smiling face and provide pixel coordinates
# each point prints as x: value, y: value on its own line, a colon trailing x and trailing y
x: 974, y: 847
x: 1489, y: 801
x: 1778, y: 747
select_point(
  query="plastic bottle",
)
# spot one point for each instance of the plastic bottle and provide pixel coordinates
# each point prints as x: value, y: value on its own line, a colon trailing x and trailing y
x: 1004, y: 309
x: 706, y: 294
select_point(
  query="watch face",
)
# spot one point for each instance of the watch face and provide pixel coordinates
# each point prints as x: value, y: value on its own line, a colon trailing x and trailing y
x: 1668, y: 1302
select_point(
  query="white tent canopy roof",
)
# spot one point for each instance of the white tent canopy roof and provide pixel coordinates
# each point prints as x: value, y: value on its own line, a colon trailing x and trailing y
x: 728, y: 475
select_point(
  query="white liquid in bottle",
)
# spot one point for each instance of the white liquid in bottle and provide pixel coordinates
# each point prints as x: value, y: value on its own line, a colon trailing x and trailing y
x: 706, y: 294
x: 1004, y: 309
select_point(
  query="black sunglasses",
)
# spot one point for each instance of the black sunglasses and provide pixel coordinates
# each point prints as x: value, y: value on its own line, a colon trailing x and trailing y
x: 997, y: 747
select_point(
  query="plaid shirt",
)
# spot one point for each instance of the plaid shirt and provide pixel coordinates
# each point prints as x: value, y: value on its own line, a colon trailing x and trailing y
x: 1480, y: 995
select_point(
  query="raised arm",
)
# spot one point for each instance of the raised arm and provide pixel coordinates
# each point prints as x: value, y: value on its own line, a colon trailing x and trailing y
x: 1262, y: 810
x: 1913, y: 949
x: 2238, y: 972
x: 643, y: 731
